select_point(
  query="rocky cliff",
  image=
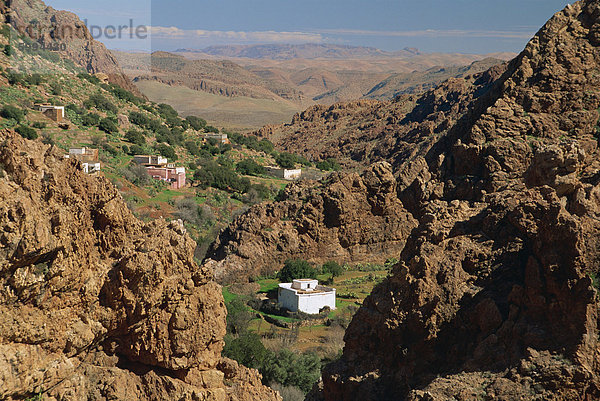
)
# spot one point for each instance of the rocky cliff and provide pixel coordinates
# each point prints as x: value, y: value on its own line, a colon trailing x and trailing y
x: 64, y: 30
x: 96, y: 304
x: 346, y: 217
x: 495, y: 295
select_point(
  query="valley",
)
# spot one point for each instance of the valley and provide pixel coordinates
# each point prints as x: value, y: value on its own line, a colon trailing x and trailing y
x: 271, y: 87
x: 452, y: 200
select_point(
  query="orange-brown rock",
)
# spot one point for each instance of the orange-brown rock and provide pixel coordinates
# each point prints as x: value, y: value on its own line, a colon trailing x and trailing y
x: 494, y: 295
x: 96, y: 304
x: 346, y: 217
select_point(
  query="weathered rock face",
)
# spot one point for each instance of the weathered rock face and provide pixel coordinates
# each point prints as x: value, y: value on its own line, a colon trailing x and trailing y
x: 63, y: 28
x: 96, y: 304
x: 346, y: 217
x: 492, y: 297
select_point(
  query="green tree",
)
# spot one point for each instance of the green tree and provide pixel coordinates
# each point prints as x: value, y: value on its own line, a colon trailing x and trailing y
x: 286, y: 160
x: 238, y: 316
x: 26, y: 132
x: 290, y: 369
x: 247, y: 349
x: 295, y: 269
x: 10, y: 111
x: 107, y: 125
x: 332, y: 267
x: 249, y: 167
x: 166, y: 151
x: 136, y: 137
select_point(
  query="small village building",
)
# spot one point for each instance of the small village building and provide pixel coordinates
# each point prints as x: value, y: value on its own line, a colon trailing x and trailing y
x: 284, y: 173
x: 56, y: 113
x: 90, y: 168
x: 173, y: 175
x: 305, y: 295
x: 220, y: 138
x: 150, y: 160
x: 88, y: 158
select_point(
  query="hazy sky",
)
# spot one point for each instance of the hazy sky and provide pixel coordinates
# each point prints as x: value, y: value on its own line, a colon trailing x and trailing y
x: 466, y: 26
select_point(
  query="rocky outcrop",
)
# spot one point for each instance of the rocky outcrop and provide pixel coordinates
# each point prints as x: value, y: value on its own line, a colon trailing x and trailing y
x: 96, y: 304
x: 65, y: 32
x: 346, y: 217
x: 494, y: 296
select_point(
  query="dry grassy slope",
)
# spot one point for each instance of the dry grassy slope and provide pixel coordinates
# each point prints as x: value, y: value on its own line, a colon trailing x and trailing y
x: 223, y: 78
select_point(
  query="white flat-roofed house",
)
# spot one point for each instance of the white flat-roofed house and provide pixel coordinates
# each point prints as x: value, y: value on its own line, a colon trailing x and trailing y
x: 285, y: 173
x: 305, y: 295
x: 88, y: 158
x: 150, y: 160
x: 90, y: 168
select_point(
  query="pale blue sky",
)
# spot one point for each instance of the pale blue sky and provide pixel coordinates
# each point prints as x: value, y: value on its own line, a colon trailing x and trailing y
x: 466, y: 26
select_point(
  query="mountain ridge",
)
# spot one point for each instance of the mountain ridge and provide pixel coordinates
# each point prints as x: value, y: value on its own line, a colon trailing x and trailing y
x: 307, y: 50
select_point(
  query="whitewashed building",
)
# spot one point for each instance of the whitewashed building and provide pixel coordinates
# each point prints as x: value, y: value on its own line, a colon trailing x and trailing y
x: 285, y: 173
x: 305, y: 295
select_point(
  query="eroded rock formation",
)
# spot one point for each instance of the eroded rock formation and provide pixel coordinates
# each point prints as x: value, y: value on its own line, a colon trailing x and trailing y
x: 493, y: 297
x: 96, y: 304
x: 346, y: 217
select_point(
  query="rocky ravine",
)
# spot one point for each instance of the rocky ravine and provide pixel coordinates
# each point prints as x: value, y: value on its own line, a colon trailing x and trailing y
x: 96, y: 304
x: 493, y: 297
x: 345, y: 217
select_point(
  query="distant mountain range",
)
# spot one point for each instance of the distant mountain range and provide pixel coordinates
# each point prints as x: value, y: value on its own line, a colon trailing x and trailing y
x: 302, y: 51
x: 273, y: 82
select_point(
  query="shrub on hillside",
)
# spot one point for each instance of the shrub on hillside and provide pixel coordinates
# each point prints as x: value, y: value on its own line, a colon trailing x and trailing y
x: 136, y: 150
x: 166, y: 151
x: 136, y: 174
x: 192, y: 147
x: 26, y: 132
x: 10, y: 111
x: 34, y: 79
x: 100, y: 102
x: 286, y: 160
x: 107, y: 125
x: 125, y: 95
x: 91, y: 119
x: 140, y: 119
x: 328, y: 165
x: 135, y: 137
x: 249, y: 167
x: 196, y: 123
